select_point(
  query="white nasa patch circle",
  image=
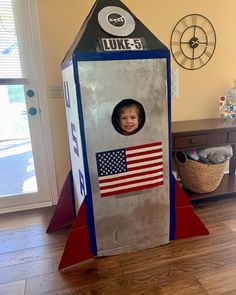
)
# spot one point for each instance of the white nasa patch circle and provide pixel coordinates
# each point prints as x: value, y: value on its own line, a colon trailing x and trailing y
x: 116, y: 21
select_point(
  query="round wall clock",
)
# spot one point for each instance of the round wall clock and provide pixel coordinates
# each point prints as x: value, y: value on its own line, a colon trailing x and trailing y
x: 193, y: 41
x: 116, y: 21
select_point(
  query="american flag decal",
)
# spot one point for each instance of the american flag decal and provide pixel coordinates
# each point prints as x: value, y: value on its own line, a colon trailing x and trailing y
x: 130, y: 169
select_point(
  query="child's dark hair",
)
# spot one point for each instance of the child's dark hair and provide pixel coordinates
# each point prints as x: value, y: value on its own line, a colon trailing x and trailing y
x: 127, y: 103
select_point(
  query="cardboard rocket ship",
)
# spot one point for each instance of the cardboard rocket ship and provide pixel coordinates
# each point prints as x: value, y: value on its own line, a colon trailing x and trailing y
x: 120, y: 194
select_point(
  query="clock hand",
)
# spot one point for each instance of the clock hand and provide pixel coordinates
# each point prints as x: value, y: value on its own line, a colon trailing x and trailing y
x: 194, y: 42
x: 198, y: 43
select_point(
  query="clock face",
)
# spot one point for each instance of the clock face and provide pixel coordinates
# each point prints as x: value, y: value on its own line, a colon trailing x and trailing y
x: 116, y: 21
x: 193, y: 41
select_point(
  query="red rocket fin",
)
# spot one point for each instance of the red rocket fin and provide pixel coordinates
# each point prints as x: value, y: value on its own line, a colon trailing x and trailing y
x: 64, y: 211
x: 77, y: 247
x: 187, y: 223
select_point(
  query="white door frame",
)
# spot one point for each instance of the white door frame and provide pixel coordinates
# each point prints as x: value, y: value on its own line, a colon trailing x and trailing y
x: 44, y: 112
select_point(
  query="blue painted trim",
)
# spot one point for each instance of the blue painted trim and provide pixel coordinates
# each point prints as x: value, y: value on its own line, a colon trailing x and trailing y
x: 172, y: 208
x: 171, y: 176
x: 121, y: 55
x: 88, y: 198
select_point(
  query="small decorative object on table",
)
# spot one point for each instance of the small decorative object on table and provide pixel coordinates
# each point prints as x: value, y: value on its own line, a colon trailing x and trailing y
x: 228, y: 103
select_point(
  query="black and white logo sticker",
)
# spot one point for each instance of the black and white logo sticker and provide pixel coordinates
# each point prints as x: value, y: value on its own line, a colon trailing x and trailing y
x: 121, y: 44
x: 116, y: 21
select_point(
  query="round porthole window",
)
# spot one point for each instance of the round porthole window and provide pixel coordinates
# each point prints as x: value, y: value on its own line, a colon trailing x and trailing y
x: 128, y: 117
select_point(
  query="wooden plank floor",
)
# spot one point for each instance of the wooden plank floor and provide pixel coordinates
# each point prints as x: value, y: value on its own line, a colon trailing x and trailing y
x: 196, y: 266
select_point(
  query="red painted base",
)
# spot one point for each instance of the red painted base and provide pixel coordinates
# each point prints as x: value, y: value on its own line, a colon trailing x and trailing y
x: 77, y: 249
x: 187, y: 223
x: 64, y: 212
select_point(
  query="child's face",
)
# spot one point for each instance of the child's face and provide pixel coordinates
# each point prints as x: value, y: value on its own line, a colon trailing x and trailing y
x: 129, y: 120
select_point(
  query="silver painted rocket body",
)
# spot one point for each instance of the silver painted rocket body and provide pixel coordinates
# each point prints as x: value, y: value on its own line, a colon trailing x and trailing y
x: 93, y: 87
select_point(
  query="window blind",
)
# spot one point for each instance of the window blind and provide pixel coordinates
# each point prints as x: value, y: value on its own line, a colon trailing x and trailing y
x: 10, y: 65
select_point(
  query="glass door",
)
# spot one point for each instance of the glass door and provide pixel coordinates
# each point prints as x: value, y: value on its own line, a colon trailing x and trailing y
x: 24, y: 177
x: 16, y: 157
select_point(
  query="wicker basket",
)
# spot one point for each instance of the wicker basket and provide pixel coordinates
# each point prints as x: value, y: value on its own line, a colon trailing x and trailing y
x: 199, y: 177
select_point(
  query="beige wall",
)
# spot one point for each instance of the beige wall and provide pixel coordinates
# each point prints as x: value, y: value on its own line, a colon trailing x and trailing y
x: 60, y: 20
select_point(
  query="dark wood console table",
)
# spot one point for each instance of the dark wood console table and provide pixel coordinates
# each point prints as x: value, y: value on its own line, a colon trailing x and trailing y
x: 207, y: 133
